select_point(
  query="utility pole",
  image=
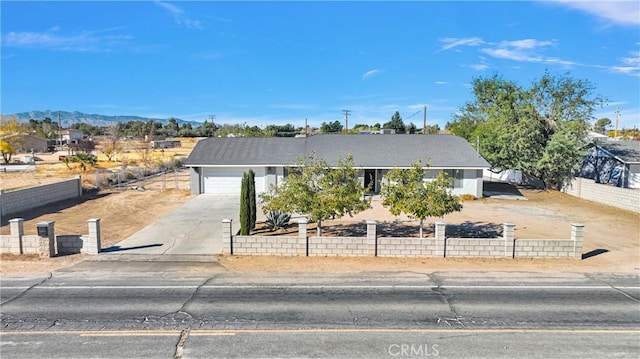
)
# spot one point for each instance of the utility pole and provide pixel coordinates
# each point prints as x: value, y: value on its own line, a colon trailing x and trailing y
x: 346, y: 119
x: 213, y: 125
x: 615, y: 133
x: 306, y: 128
x: 424, y: 128
x: 59, y: 132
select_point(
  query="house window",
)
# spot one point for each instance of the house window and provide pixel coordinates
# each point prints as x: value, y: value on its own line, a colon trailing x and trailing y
x: 271, y: 170
x: 457, y: 176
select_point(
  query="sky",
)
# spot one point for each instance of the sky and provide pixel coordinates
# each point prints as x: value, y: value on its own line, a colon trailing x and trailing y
x: 260, y: 63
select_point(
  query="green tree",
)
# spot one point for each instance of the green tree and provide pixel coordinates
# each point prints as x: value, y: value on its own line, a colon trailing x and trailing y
x: 12, y: 138
x: 172, y: 126
x: 395, y: 123
x: 318, y: 190
x: 601, y: 125
x: 331, y: 127
x: 245, y: 217
x: 540, y: 130
x: 410, y: 128
x: 86, y: 160
x: 408, y: 192
x: 287, y: 130
x: 251, y: 178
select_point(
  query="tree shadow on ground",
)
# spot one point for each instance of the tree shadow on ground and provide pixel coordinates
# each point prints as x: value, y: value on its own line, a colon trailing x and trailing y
x: 388, y: 229
x: 55, y: 207
x: 470, y: 229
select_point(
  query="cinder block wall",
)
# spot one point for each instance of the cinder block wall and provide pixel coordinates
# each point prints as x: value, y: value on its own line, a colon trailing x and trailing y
x: 544, y: 248
x: 341, y: 246
x: 269, y: 245
x: 33, y: 244
x: 476, y: 247
x: 70, y: 244
x: 625, y: 198
x: 32, y: 197
x: 409, y: 247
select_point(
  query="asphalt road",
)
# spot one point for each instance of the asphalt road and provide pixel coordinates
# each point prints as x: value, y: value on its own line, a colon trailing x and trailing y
x: 116, y: 312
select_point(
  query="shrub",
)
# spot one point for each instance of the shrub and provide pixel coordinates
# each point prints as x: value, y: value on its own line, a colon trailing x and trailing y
x: 276, y: 219
x: 467, y: 197
x: 245, y: 219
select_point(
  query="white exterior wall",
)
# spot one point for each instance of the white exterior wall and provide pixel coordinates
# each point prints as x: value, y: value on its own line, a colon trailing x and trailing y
x: 634, y: 176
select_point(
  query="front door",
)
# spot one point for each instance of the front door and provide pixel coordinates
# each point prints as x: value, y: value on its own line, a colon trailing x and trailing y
x: 370, y: 180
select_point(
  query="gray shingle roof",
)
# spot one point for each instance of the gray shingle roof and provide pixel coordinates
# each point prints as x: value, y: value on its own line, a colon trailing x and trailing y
x: 627, y: 151
x: 369, y: 151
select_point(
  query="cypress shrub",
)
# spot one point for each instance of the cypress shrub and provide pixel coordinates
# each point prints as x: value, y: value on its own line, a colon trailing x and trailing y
x: 252, y: 199
x: 244, y: 213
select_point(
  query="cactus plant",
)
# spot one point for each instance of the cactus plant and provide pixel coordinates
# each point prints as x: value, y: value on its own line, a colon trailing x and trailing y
x: 276, y: 219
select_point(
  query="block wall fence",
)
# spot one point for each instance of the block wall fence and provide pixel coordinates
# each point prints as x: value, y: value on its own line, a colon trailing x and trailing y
x: 372, y: 245
x: 32, y: 197
x: 625, y: 198
x: 47, y: 243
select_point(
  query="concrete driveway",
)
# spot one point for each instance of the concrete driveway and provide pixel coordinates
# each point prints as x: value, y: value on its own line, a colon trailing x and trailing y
x: 195, y: 228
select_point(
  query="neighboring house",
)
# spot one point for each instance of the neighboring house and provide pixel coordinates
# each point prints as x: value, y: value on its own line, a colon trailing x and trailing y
x: 165, y: 144
x: 27, y: 143
x: 613, y: 162
x: 217, y: 164
x: 71, y: 136
x: 595, y: 136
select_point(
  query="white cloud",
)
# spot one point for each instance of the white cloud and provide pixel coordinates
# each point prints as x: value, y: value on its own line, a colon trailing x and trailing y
x: 371, y: 73
x: 179, y: 16
x: 452, y: 42
x: 87, y: 41
x: 441, y: 82
x: 628, y: 65
x: 618, y: 12
x: 479, y: 67
x: 526, y: 50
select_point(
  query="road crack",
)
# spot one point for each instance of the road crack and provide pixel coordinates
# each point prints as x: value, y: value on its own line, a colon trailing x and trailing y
x: 446, y: 299
x: 27, y: 290
x: 614, y: 288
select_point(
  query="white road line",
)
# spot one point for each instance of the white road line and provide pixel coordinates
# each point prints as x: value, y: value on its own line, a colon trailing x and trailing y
x: 349, y: 287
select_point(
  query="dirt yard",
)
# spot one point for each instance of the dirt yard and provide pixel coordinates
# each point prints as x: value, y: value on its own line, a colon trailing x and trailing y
x: 612, y: 236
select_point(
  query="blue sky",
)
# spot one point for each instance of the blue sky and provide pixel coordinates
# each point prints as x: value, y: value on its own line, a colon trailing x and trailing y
x: 281, y: 62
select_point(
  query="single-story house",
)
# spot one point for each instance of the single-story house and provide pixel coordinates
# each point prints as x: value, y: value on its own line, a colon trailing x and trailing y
x: 24, y: 142
x: 612, y: 162
x: 217, y: 164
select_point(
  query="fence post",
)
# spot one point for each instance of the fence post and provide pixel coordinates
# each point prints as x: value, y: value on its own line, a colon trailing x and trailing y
x: 577, y: 236
x: 47, y: 238
x: 17, y: 231
x: 508, y: 234
x: 227, y: 237
x: 441, y: 242
x: 302, y: 235
x: 93, y: 244
x: 79, y: 185
x: 372, y: 236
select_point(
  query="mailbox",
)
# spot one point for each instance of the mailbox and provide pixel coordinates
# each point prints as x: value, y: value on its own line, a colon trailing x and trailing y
x: 43, y: 229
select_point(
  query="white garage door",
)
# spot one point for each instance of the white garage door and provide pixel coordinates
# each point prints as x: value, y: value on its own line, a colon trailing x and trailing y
x: 229, y: 180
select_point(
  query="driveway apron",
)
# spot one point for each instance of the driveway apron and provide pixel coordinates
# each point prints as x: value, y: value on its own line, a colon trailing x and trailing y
x: 194, y: 228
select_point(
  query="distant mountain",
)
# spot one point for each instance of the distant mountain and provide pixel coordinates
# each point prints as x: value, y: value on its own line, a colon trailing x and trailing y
x: 68, y: 118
